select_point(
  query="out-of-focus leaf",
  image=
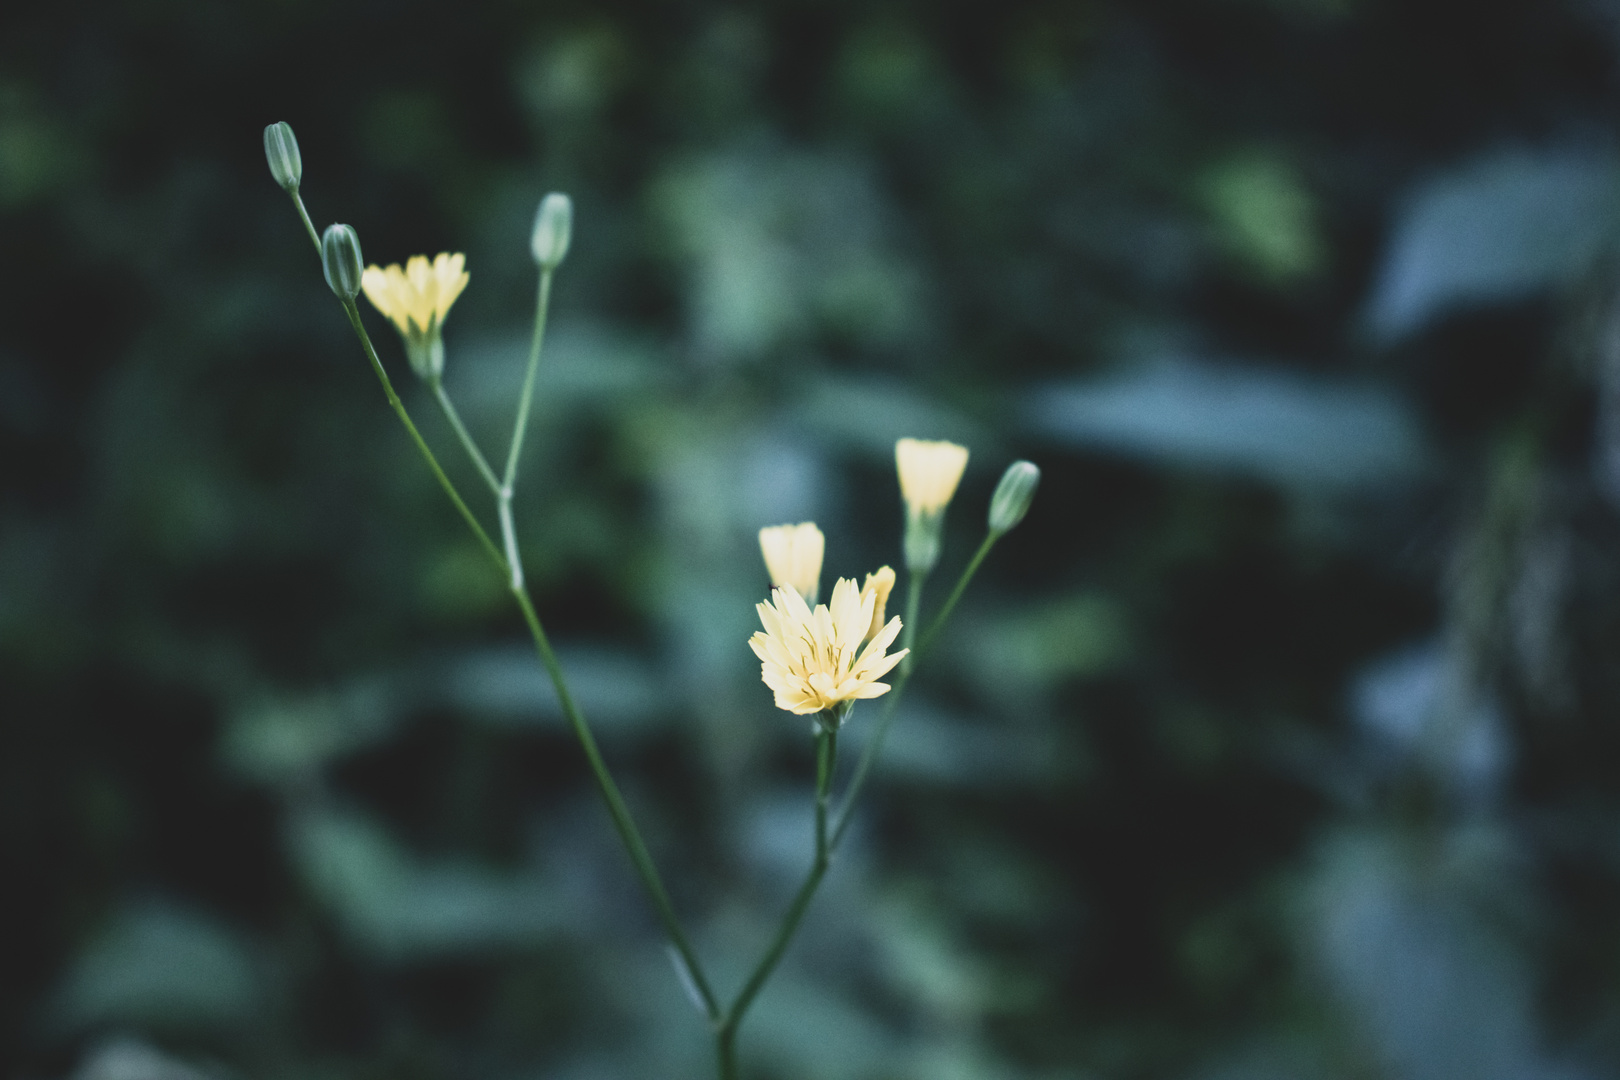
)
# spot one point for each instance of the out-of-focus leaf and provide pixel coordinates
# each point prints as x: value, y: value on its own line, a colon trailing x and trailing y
x: 786, y: 1031
x: 1442, y: 994
x: 401, y: 907
x: 507, y: 685
x: 780, y: 242
x: 128, y: 1059
x: 1276, y: 425
x: 1265, y: 215
x: 870, y: 414
x: 162, y: 965
x: 583, y: 362
x: 1411, y: 702
x: 927, y: 745
x: 278, y: 740
x: 1497, y: 229
x: 1031, y: 647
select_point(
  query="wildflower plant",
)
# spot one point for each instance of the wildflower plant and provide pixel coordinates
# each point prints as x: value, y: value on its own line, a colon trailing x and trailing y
x: 818, y: 660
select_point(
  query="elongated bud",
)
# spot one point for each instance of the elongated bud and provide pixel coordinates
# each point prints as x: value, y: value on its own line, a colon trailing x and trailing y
x: 1013, y: 495
x: 793, y: 555
x: 340, y: 260
x: 929, y: 473
x: 553, y: 229
x: 281, y: 151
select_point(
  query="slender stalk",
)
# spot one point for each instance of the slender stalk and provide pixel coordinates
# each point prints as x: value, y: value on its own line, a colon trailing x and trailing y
x: 618, y: 810
x: 462, y: 433
x: 891, y: 701
x: 542, y: 305
x: 934, y: 627
x: 509, y: 563
x: 726, y: 1033
x: 520, y: 428
x: 416, y: 437
x: 309, y: 226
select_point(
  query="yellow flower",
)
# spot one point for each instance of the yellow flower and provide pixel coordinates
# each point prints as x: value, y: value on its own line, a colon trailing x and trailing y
x: 878, y: 586
x: 793, y: 557
x: 416, y: 300
x: 813, y: 661
x: 929, y: 473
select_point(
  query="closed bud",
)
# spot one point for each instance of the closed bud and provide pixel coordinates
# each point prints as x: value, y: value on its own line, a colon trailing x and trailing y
x: 281, y: 151
x: 340, y: 260
x: 1013, y: 495
x: 553, y: 228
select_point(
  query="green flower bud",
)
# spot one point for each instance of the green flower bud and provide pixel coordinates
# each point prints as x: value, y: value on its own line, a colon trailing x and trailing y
x: 553, y: 228
x: 1013, y: 495
x: 340, y: 260
x: 426, y: 354
x: 281, y: 151
x: 923, y: 541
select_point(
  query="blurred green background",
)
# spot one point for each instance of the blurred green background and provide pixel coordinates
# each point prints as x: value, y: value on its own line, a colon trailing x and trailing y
x: 1279, y: 741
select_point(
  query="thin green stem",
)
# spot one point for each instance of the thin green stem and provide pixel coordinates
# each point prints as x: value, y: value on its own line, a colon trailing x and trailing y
x: 416, y: 437
x: 726, y: 1033
x: 464, y: 435
x: 309, y: 226
x: 934, y: 627
x: 915, y: 579
x: 891, y: 702
x: 542, y: 305
x: 618, y: 810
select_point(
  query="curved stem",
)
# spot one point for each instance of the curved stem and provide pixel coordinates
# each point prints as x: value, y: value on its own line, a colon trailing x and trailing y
x: 542, y: 304
x: 462, y: 433
x: 309, y: 226
x: 726, y: 1033
x: 891, y: 702
x: 934, y: 627
x: 618, y: 811
x: 416, y: 437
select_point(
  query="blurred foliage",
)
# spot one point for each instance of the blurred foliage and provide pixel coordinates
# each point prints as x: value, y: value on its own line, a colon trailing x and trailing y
x: 1277, y: 742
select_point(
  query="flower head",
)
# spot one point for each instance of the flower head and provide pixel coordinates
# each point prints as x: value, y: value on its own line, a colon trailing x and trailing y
x: 416, y: 300
x: 929, y: 473
x: 814, y: 661
x: 793, y: 557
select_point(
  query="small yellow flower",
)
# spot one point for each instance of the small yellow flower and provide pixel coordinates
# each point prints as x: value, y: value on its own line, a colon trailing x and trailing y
x: 813, y: 661
x: 416, y: 300
x: 878, y: 586
x: 793, y: 557
x: 929, y: 473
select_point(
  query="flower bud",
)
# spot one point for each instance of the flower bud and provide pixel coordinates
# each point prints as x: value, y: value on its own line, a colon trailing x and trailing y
x: 553, y: 228
x: 929, y: 473
x: 793, y: 556
x: 1013, y: 495
x: 281, y: 151
x: 340, y: 260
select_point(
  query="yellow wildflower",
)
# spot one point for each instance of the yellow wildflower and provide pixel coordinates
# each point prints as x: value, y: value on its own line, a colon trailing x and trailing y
x: 813, y: 661
x: 929, y: 473
x: 416, y: 300
x: 793, y: 557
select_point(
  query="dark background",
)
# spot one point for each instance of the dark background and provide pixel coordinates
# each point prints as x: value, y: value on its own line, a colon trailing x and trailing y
x: 1280, y: 741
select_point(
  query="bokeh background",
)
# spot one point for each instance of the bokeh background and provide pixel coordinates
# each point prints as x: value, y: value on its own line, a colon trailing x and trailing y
x: 1280, y: 741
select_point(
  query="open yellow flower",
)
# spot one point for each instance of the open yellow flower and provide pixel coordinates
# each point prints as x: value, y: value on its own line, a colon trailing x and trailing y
x: 814, y: 661
x: 793, y: 557
x: 416, y: 300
